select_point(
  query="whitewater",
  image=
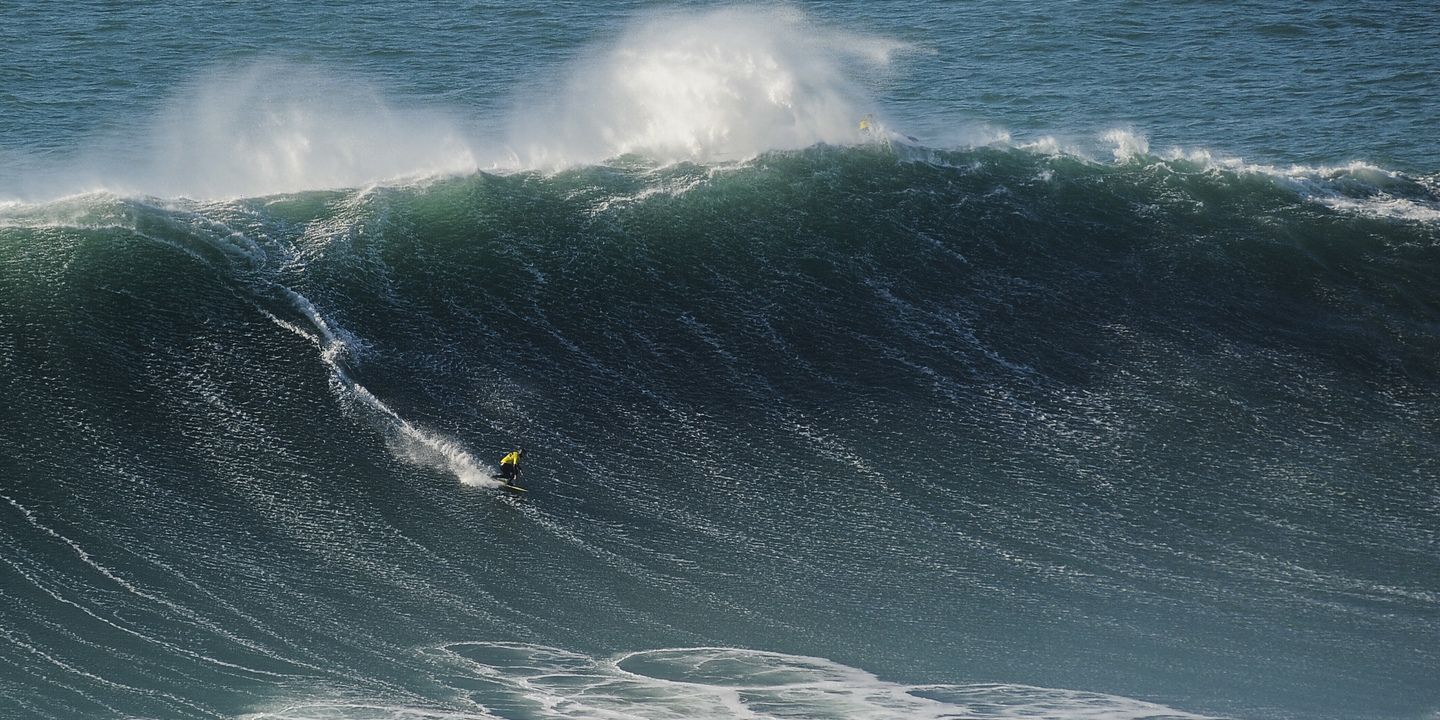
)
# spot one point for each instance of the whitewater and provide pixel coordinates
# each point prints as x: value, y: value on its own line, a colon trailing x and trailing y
x: 872, y: 361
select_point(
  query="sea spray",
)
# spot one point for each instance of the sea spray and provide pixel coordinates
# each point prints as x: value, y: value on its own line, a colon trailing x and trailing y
x: 717, y: 86
x: 276, y: 126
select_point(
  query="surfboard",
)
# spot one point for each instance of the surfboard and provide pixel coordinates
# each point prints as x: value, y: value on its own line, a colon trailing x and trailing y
x: 508, y: 486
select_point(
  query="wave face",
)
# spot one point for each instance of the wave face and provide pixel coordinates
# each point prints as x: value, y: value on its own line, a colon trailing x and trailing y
x: 1160, y: 429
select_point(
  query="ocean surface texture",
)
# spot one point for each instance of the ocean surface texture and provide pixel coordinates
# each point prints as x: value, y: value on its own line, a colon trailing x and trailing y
x: 874, y: 360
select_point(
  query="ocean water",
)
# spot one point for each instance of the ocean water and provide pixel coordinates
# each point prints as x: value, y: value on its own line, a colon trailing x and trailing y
x: 954, y: 360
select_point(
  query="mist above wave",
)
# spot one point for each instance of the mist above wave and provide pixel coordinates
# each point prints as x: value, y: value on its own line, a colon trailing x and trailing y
x: 682, y: 86
x: 278, y: 127
x: 722, y: 85
x: 707, y: 86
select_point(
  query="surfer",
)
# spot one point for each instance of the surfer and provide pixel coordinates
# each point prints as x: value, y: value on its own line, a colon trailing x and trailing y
x: 510, y: 466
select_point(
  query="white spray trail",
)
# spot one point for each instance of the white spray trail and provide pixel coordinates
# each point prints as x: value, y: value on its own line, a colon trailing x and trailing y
x: 214, y: 243
x: 416, y: 444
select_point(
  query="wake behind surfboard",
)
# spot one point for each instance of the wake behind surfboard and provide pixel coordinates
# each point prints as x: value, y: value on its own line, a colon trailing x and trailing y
x: 506, y: 484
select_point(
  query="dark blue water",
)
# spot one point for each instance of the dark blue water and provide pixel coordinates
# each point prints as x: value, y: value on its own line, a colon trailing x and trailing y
x: 929, y: 361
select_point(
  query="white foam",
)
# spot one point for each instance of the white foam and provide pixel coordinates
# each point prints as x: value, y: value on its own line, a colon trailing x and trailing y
x: 1129, y: 144
x: 707, y: 683
x: 712, y: 86
x: 1356, y: 188
x: 1384, y: 206
x: 1122, y: 144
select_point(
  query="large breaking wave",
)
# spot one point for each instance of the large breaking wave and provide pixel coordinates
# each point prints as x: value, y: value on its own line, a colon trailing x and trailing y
x: 789, y: 385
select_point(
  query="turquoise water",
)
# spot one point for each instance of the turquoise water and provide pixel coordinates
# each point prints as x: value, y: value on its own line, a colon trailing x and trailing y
x: 1096, y: 377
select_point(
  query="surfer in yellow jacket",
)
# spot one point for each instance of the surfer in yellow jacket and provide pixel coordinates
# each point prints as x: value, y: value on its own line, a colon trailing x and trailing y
x: 510, y: 466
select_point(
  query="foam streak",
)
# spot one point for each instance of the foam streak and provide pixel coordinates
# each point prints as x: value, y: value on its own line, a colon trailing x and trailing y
x: 417, y: 445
